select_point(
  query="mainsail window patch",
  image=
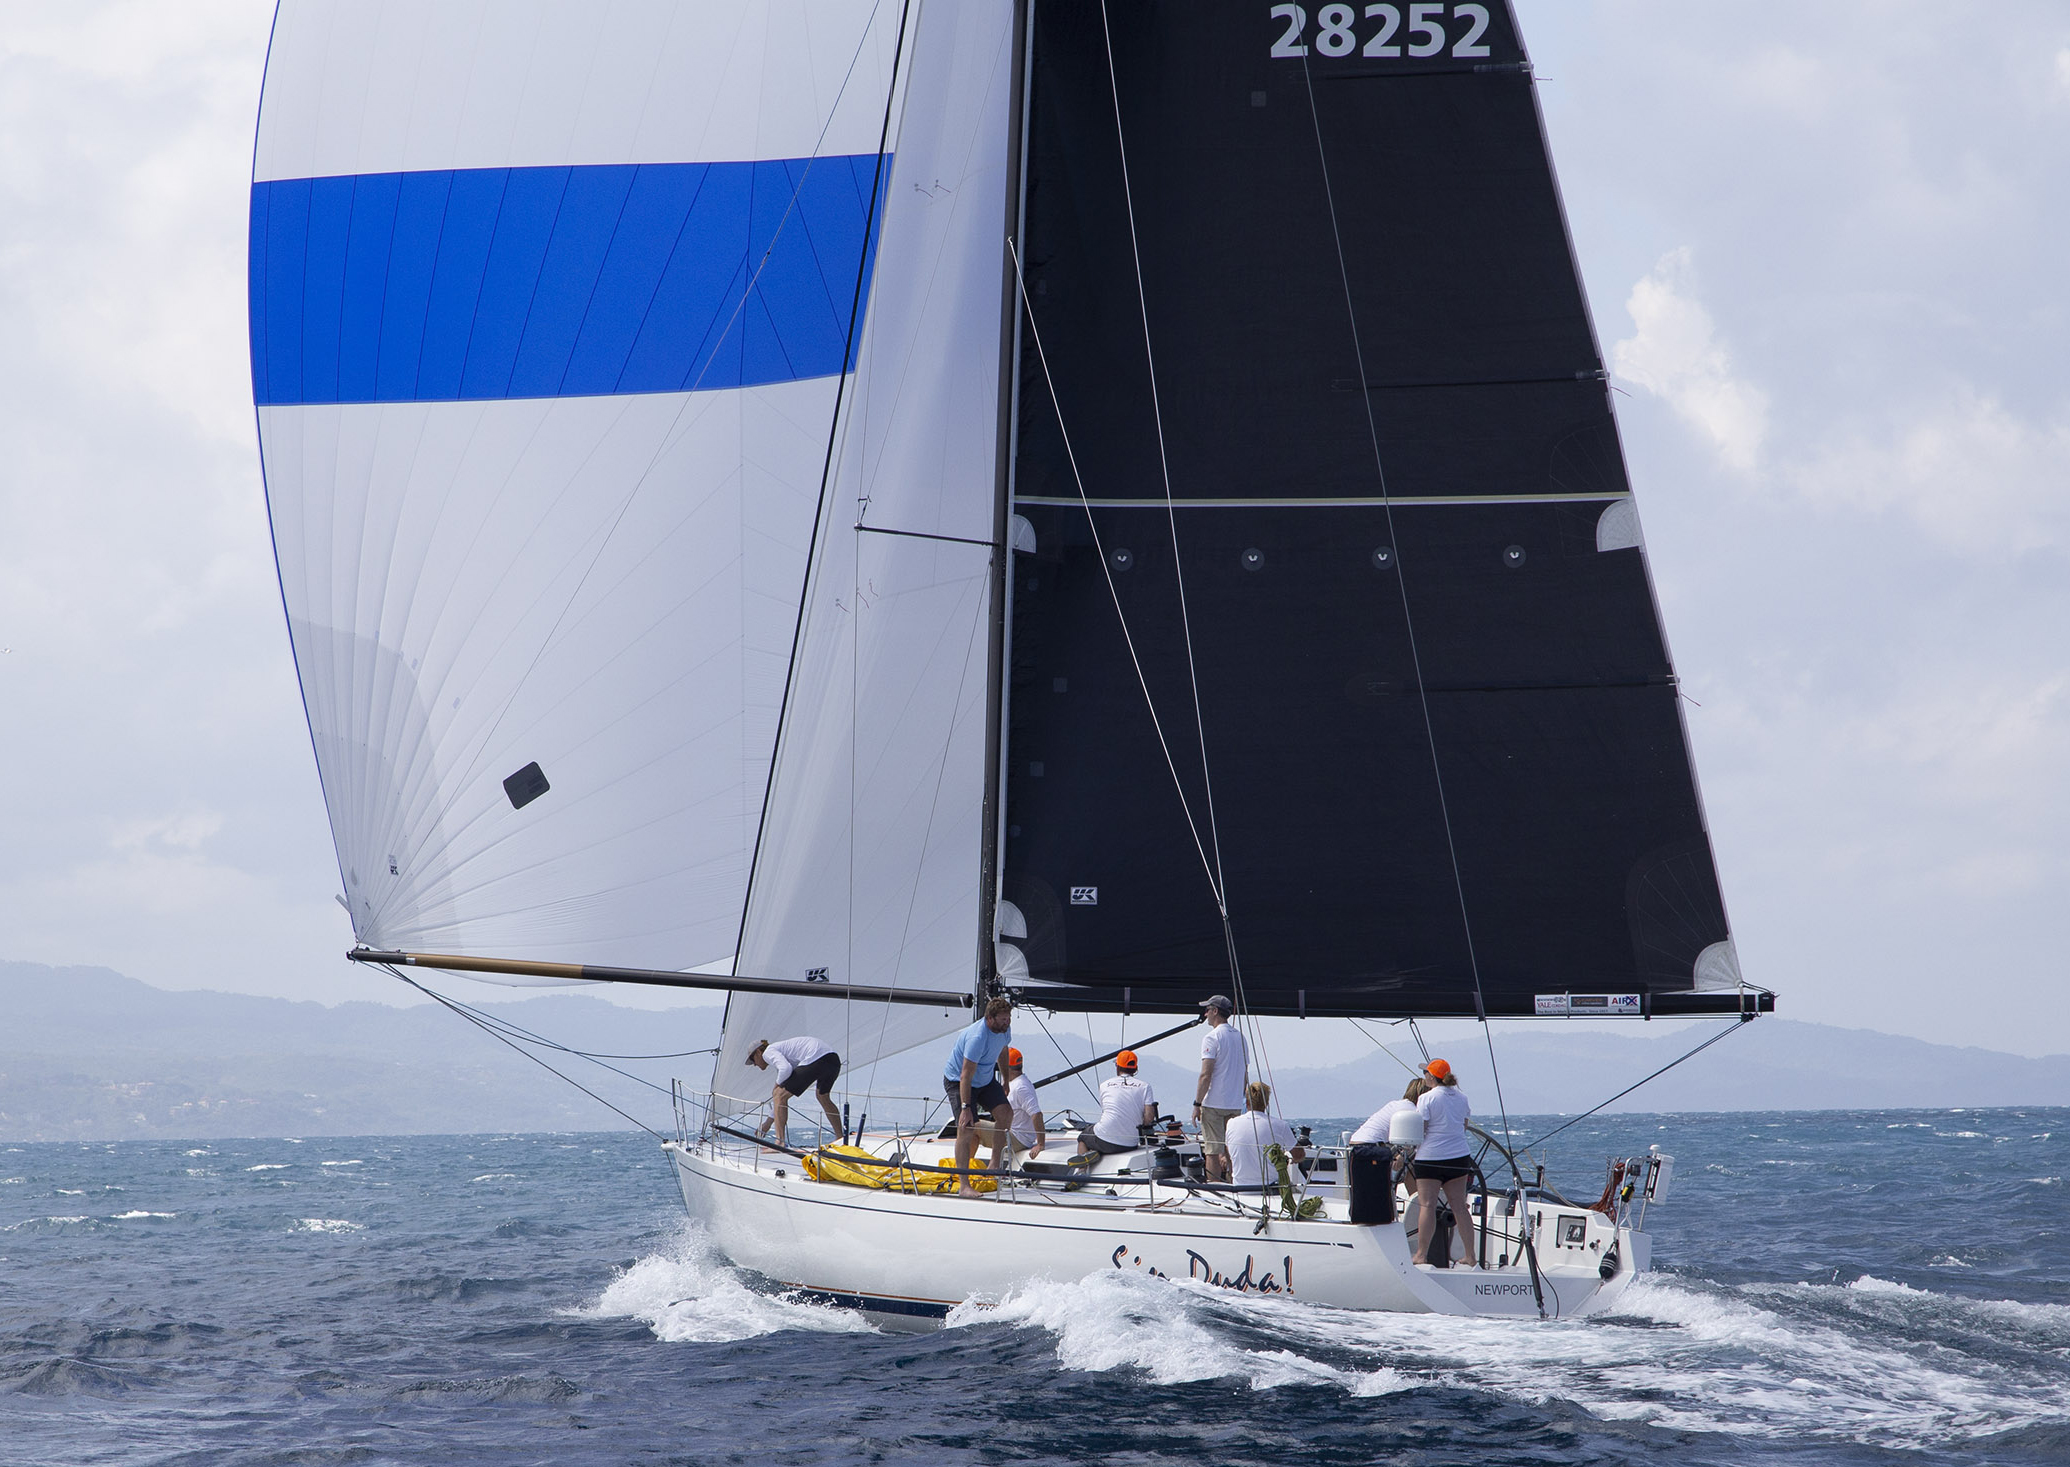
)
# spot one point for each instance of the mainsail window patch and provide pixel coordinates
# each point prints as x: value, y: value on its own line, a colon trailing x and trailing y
x: 527, y: 785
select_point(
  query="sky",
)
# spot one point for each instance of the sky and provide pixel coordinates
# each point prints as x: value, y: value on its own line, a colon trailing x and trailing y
x: 1823, y: 245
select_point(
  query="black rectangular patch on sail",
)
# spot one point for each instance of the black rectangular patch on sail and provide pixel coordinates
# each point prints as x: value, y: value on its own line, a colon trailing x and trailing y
x: 527, y: 785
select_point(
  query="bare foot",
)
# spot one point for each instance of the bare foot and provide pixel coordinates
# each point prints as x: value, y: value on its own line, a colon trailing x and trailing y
x: 971, y: 1193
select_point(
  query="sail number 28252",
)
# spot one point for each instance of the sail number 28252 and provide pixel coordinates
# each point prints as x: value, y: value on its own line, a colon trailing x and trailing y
x: 1391, y: 30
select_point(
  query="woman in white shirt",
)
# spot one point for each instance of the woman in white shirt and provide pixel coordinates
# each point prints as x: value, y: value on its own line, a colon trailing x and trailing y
x: 1374, y: 1131
x: 1252, y: 1132
x: 1445, y: 1158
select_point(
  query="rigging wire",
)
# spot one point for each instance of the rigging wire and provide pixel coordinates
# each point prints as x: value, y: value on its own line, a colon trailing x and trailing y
x: 1060, y: 1048
x: 1402, y: 585
x: 1220, y: 883
x: 461, y: 1009
x: 1737, y: 1024
x: 1156, y: 723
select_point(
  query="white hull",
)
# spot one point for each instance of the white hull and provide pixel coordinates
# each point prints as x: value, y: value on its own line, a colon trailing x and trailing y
x: 896, y: 1253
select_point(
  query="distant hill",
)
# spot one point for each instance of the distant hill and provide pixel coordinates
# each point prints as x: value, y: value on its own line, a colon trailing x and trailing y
x: 1770, y: 1064
x: 88, y: 1054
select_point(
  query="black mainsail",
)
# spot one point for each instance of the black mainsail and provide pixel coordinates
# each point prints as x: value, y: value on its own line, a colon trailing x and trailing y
x: 1419, y: 718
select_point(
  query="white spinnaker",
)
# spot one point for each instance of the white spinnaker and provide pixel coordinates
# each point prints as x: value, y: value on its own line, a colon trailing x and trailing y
x: 868, y: 868
x: 605, y: 585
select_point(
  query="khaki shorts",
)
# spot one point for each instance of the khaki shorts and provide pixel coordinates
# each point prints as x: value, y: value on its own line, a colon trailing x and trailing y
x: 1214, y: 1127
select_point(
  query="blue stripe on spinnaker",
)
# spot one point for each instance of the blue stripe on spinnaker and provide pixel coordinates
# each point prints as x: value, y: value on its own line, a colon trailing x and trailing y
x: 481, y: 283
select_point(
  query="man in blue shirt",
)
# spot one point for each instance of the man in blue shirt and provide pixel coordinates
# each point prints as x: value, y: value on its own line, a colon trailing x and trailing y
x: 971, y: 1076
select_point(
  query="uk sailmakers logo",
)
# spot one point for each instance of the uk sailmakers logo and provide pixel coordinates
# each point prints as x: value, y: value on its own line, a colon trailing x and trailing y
x: 1085, y: 896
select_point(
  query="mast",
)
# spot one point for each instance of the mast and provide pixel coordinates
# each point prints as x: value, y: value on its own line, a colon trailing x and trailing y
x: 993, y: 815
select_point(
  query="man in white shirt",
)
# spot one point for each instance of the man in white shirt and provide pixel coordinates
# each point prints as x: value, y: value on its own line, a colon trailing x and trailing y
x: 1029, y: 1134
x: 797, y: 1063
x: 1125, y: 1104
x: 1224, y: 1067
x: 1250, y: 1133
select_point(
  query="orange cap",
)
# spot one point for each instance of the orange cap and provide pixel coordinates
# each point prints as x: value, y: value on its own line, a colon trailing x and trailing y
x: 1438, y: 1070
x: 1013, y: 1057
x: 1126, y: 1060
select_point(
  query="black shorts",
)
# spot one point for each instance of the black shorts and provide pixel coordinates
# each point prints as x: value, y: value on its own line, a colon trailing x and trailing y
x: 1099, y: 1144
x: 821, y: 1072
x: 982, y: 1097
x: 1444, y: 1169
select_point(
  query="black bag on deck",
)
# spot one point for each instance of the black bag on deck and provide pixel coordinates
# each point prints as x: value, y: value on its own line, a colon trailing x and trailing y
x: 1372, y: 1184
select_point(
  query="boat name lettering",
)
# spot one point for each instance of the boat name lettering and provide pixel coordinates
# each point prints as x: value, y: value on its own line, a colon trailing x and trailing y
x: 1197, y: 1267
x: 1502, y: 1289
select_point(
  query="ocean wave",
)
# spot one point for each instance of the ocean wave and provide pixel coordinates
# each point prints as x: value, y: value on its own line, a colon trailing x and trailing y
x: 496, y: 1177
x: 327, y: 1225
x: 1170, y: 1331
x: 269, y: 1166
x: 687, y: 1292
x: 128, y: 1216
x: 354, y: 1162
x: 1775, y: 1362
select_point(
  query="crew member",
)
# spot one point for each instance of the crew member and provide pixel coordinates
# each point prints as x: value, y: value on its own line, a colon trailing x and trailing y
x: 1028, y: 1132
x: 1445, y: 1158
x: 797, y: 1063
x: 971, y: 1078
x: 1374, y: 1131
x: 1250, y: 1133
x: 1126, y: 1104
x: 1224, y: 1067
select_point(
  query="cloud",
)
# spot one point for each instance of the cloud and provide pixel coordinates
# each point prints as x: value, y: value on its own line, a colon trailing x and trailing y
x: 1675, y: 354
x: 187, y: 831
x: 1971, y: 473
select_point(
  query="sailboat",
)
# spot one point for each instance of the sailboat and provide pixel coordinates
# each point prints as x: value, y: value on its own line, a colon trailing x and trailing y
x: 870, y: 505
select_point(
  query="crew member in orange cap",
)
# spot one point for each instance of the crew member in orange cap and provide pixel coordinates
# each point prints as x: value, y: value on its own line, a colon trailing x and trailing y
x: 1126, y: 1105
x: 1028, y: 1133
x: 1444, y: 1159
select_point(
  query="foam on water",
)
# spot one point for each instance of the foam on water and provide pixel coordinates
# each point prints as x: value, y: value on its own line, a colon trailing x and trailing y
x: 1769, y: 1361
x: 687, y: 1292
x: 268, y: 1166
x: 327, y: 1225
x: 1171, y: 1331
x: 126, y: 1216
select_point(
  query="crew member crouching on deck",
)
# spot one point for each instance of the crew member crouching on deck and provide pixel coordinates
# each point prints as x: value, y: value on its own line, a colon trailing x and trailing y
x: 798, y: 1063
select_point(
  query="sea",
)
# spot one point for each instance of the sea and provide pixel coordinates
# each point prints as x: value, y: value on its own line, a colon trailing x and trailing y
x: 1832, y: 1287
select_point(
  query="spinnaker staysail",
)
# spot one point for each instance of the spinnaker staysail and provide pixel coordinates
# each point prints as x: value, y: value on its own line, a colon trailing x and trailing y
x: 867, y: 871
x: 1419, y: 720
